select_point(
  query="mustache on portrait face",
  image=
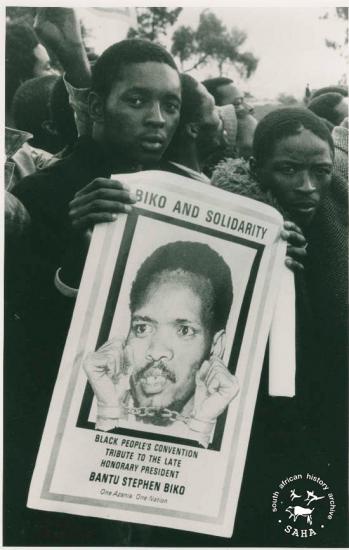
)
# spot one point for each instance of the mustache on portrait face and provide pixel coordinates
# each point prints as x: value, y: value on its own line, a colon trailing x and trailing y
x: 158, y: 365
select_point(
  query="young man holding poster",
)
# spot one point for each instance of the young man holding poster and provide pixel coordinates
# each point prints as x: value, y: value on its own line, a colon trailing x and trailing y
x: 169, y: 372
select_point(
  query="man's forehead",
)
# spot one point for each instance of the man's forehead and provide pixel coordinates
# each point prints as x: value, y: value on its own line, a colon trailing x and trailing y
x: 305, y: 144
x: 149, y: 75
x: 191, y: 290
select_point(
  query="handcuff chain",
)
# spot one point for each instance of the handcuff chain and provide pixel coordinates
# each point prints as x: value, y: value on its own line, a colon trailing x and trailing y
x: 152, y: 411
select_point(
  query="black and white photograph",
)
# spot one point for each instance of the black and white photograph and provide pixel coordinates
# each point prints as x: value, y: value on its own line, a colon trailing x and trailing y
x: 175, y: 367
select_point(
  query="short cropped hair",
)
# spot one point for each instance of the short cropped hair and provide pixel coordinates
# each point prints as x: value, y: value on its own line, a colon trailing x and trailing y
x: 21, y: 41
x: 110, y: 64
x: 324, y: 106
x: 343, y: 90
x: 212, y: 85
x: 193, y: 258
x: 282, y: 123
x: 31, y: 107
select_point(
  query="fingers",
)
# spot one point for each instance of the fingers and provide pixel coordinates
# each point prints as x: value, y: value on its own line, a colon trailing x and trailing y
x: 216, y: 377
x: 102, y: 183
x: 106, y: 360
x: 296, y: 252
x: 78, y: 213
x: 293, y: 264
x: 293, y: 234
x: 99, y: 202
x: 201, y: 374
x: 119, y: 358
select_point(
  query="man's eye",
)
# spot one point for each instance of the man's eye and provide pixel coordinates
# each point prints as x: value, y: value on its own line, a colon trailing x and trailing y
x: 323, y: 170
x: 185, y: 331
x: 135, y: 101
x: 287, y: 170
x: 172, y: 107
x: 142, y: 329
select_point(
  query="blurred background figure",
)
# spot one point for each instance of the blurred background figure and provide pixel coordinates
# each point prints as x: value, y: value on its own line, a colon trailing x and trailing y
x: 41, y: 107
x: 25, y: 58
x: 331, y: 106
x: 31, y: 111
x: 337, y: 89
x: 225, y: 92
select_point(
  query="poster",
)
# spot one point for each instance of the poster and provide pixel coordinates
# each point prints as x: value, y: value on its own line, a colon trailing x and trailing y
x: 161, y: 367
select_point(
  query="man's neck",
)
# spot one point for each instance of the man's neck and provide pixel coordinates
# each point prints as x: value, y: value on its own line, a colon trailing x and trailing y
x: 118, y: 163
x: 187, y: 156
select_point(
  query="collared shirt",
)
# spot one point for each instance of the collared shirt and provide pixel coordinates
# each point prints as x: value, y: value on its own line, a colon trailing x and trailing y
x: 193, y: 174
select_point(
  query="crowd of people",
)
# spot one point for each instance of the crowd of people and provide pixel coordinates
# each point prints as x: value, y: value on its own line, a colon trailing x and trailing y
x: 68, y: 130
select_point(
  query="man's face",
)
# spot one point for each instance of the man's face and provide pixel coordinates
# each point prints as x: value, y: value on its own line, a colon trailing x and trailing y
x: 141, y: 112
x: 231, y: 95
x: 211, y: 137
x: 169, y: 340
x: 42, y: 65
x: 298, y: 172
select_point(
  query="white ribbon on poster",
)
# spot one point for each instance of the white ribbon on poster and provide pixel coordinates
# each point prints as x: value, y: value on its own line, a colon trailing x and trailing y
x: 282, y: 346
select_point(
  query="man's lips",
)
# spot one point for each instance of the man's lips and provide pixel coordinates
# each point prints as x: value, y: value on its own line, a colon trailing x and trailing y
x: 154, y: 377
x: 305, y: 207
x: 154, y: 382
x: 153, y: 142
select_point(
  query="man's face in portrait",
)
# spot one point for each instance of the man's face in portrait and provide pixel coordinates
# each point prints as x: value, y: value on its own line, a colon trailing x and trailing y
x: 170, y: 338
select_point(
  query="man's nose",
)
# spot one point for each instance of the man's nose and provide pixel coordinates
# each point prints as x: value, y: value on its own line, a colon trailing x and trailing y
x: 306, y: 183
x: 154, y: 115
x: 159, y: 349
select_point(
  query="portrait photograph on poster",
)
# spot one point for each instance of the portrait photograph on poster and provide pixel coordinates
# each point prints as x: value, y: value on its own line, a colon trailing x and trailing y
x: 169, y: 354
x: 175, y: 360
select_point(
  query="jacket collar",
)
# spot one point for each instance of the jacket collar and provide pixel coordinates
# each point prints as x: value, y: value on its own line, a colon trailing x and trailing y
x: 14, y: 140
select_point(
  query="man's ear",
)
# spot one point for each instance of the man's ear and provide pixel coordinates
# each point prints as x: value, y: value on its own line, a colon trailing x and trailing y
x: 218, y: 344
x: 96, y: 107
x: 192, y: 129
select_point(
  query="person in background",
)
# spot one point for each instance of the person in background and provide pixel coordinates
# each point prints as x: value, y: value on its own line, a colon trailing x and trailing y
x: 331, y: 106
x: 25, y: 58
x: 343, y: 90
x: 200, y: 132
x: 226, y: 93
x: 31, y: 111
